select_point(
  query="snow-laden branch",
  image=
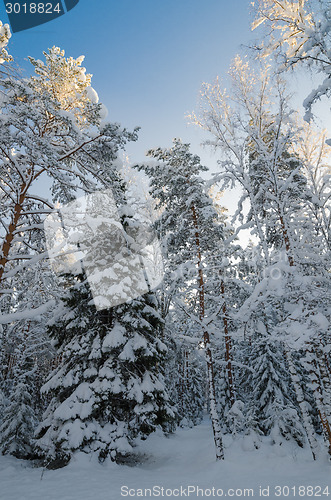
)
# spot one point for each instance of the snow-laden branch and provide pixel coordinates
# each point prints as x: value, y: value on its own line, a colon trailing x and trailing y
x: 28, y: 314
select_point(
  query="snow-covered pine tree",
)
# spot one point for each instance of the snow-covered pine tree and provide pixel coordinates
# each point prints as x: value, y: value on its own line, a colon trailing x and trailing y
x: 190, y: 226
x: 51, y: 126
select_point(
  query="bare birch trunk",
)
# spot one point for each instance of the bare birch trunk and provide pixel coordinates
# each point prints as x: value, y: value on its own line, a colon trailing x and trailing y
x: 210, y: 365
x: 213, y: 406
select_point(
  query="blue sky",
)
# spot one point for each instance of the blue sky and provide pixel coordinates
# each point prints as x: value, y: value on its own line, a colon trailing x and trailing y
x: 148, y: 58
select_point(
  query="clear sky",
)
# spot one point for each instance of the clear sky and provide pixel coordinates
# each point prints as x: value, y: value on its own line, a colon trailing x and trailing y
x: 148, y: 58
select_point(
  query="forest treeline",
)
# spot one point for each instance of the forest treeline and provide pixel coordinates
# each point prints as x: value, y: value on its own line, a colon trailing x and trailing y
x: 242, y: 332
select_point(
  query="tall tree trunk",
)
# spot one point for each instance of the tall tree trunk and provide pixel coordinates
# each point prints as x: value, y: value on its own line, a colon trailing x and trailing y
x: 183, y: 370
x: 210, y: 364
x: 286, y: 240
x: 212, y: 401
x: 7, y: 242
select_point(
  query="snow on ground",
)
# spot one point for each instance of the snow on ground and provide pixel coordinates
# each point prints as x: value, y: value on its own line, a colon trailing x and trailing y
x: 182, y: 460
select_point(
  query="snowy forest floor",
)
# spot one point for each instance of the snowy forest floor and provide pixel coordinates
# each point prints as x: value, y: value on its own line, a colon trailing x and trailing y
x: 184, y: 459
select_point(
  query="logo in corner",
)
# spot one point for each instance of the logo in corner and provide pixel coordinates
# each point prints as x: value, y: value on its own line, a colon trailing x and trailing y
x: 26, y: 14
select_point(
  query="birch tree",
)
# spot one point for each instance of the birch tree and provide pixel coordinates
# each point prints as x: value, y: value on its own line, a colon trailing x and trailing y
x: 301, y: 36
x: 253, y: 131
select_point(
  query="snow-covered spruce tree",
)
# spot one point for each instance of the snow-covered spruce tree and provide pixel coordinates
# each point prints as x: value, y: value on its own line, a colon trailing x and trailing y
x: 267, y: 383
x: 185, y: 369
x: 289, y: 302
x: 193, y: 387
x: 305, y: 396
x: 25, y: 349
x: 278, y: 306
x: 270, y: 391
x: 190, y: 226
x: 19, y: 416
x: 109, y: 388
